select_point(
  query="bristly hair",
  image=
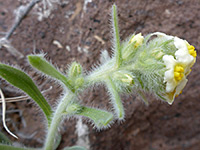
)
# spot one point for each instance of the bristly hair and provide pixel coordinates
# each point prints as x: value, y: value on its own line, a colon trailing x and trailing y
x: 112, y: 32
x: 49, y: 77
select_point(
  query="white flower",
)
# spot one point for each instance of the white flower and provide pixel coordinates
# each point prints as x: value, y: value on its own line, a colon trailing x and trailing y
x: 175, y: 72
x: 182, y: 54
x: 178, y: 68
x: 174, y: 77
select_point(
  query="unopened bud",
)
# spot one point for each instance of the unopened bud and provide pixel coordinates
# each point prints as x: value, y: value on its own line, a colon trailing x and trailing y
x: 75, y: 70
x: 73, y: 108
x: 123, y: 77
x: 158, y: 54
x: 138, y: 39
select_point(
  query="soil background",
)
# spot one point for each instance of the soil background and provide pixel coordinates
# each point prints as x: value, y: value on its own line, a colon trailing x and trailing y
x: 83, y: 31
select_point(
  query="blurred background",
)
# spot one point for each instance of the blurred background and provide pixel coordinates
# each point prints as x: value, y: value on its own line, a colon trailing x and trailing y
x: 69, y: 30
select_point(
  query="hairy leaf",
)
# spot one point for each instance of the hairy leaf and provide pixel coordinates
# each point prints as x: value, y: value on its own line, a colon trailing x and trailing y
x: 75, y: 148
x: 38, y: 62
x: 101, y: 118
x: 22, y: 81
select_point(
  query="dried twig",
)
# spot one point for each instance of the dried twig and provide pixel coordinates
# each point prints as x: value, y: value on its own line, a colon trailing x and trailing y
x: 4, y: 113
x: 22, y: 12
x: 15, y: 99
x: 5, y: 43
x: 20, y: 98
x: 3, y: 100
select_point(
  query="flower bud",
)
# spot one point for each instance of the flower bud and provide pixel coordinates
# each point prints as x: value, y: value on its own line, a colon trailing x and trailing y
x: 138, y: 39
x: 157, y: 53
x: 123, y: 77
x: 75, y: 70
x: 129, y: 48
x: 73, y: 108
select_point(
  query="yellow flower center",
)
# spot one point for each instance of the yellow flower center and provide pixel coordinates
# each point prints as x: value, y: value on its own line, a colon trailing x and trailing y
x: 191, y: 50
x: 178, y: 72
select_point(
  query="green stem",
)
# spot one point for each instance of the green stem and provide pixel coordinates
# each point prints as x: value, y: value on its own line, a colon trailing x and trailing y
x: 101, y: 73
x: 116, y: 37
x: 116, y: 100
x: 53, y: 129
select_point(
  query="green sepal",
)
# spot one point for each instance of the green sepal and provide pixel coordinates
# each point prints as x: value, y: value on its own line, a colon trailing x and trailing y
x: 143, y: 97
x: 161, y: 97
x: 22, y: 81
x: 75, y: 148
x: 75, y: 70
x: 38, y: 62
x: 128, y: 50
x: 101, y: 118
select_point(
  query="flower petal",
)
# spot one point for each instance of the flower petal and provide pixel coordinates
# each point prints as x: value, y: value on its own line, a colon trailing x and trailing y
x: 182, y: 54
x: 180, y: 86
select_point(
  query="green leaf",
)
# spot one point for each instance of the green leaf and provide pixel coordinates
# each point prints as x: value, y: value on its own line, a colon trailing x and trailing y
x: 22, y: 81
x: 4, y: 139
x: 10, y: 147
x: 101, y: 118
x: 115, y: 99
x: 38, y: 62
x: 75, y: 148
x: 116, y: 38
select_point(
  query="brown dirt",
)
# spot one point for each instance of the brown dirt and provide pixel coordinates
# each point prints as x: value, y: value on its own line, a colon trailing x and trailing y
x: 158, y: 126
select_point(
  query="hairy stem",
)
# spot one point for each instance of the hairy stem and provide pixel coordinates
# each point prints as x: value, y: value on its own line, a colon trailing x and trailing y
x: 115, y: 97
x: 53, y: 129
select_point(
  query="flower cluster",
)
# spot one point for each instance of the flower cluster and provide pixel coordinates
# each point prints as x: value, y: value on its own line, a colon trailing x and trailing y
x: 160, y: 65
x: 178, y: 68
